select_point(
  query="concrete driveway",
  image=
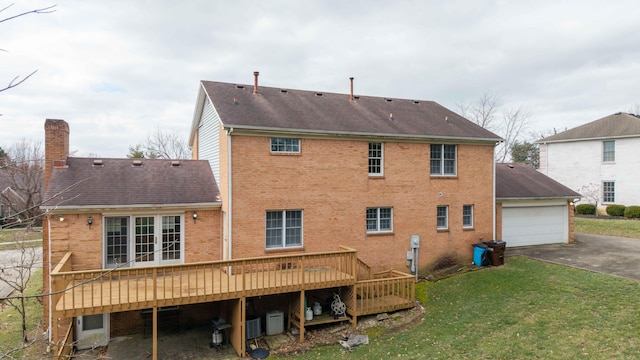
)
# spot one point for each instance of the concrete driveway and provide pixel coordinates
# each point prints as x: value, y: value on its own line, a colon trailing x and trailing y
x: 605, y: 254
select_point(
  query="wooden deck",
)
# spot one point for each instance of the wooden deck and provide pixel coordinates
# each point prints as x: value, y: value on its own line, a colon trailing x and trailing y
x: 125, y: 289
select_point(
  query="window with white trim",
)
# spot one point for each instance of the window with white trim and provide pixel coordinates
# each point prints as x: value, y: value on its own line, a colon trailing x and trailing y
x: 609, y: 151
x: 379, y: 219
x: 285, y: 145
x: 283, y: 229
x: 467, y: 216
x: 376, y: 160
x: 442, y: 217
x: 443, y: 159
x: 608, y: 192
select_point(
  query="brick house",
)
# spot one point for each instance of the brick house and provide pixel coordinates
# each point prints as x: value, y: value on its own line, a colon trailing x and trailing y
x: 305, y: 171
x: 303, y: 194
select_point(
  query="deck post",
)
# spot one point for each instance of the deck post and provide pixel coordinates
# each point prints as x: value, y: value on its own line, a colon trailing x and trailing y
x: 155, y: 333
x: 301, y: 315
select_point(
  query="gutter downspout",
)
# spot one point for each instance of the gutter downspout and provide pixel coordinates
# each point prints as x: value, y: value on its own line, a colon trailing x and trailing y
x: 229, y: 197
x: 494, y: 193
x: 50, y: 282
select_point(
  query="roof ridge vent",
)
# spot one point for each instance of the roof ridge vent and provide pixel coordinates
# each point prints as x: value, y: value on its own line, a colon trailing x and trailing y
x: 137, y: 162
x: 388, y: 100
x: 416, y: 102
x: 175, y: 163
x: 97, y: 162
x: 318, y: 94
x: 284, y: 91
x: 239, y: 86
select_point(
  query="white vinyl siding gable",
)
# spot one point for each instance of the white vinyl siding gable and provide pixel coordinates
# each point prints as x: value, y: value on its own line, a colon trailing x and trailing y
x: 209, y: 138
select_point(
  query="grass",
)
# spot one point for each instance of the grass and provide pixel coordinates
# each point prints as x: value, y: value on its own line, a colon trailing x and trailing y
x: 10, y: 236
x: 524, y: 309
x: 612, y: 227
x: 11, y: 324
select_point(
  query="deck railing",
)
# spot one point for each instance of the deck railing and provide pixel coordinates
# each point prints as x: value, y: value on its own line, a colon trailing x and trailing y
x: 388, y: 291
x: 109, y: 290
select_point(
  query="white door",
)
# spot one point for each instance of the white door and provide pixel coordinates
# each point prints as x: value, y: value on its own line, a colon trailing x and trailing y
x: 535, y: 225
x: 145, y: 241
x: 92, y: 331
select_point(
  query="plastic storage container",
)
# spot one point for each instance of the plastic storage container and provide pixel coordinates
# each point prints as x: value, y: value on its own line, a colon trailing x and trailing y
x: 496, y: 255
x: 480, y: 254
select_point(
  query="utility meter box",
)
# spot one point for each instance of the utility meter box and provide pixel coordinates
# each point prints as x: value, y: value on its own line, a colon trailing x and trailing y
x: 415, y: 241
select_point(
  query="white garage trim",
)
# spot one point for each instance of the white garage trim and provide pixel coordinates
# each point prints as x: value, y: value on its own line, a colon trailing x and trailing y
x: 539, y: 222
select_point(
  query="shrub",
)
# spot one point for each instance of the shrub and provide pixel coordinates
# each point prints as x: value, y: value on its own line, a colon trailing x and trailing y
x: 586, y: 209
x: 632, y: 212
x: 615, y: 210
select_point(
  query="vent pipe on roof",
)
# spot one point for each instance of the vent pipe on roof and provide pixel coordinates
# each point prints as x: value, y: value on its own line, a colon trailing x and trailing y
x: 255, y: 81
x: 351, y: 96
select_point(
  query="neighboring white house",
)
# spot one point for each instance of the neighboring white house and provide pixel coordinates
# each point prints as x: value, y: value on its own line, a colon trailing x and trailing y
x: 599, y: 157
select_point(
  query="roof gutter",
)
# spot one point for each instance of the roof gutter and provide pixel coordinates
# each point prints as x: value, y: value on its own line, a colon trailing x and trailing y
x: 83, y: 208
x: 325, y: 134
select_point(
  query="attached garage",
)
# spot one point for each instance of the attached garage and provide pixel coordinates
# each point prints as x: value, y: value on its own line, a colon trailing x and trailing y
x: 533, y: 209
x: 532, y: 223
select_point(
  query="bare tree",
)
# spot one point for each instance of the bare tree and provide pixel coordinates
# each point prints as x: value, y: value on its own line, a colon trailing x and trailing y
x: 634, y: 110
x: 161, y: 145
x: 591, y: 193
x: 16, y: 274
x: 24, y: 170
x: 484, y: 112
x: 514, y: 122
x: 46, y: 10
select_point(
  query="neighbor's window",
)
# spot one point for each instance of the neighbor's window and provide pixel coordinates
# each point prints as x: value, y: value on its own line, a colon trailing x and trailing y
x: 608, y: 192
x: 442, y: 217
x: 609, y: 151
x: 443, y: 159
x: 284, y: 229
x: 375, y: 159
x: 289, y: 145
x: 467, y: 216
x: 379, y: 219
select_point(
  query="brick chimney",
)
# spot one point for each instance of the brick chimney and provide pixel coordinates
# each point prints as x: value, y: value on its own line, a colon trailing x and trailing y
x: 56, y: 146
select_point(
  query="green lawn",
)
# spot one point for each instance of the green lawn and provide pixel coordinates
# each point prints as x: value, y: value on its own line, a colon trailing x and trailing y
x: 10, y: 236
x: 524, y: 309
x: 613, y: 227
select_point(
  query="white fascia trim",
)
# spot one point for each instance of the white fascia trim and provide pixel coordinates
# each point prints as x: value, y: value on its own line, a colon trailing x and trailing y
x: 266, y: 131
x: 88, y: 208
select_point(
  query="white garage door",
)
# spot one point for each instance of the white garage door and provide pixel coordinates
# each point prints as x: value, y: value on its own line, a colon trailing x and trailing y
x: 535, y: 225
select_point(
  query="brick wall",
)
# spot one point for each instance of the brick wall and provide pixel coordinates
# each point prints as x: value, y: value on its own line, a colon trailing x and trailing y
x: 328, y: 180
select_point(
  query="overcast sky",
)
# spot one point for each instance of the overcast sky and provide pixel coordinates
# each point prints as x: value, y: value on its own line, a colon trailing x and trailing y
x: 115, y: 70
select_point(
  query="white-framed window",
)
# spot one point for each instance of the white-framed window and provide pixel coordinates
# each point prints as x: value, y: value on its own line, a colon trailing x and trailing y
x: 283, y: 229
x: 443, y: 159
x: 467, y: 216
x: 376, y: 159
x: 285, y: 145
x: 143, y: 240
x: 379, y: 219
x: 608, y: 192
x: 609, y: 151
x: 442, y: 217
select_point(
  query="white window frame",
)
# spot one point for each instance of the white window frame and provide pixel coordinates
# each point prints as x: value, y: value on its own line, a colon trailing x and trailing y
x: 611, y: 192
x: 284, y: 145
x: 470, y: 216
x: 131, y: 240
x: 442, y: 160
x: 609, y: 154
x: 379, y: 220
x: 284, y: 229
x: 373, y: 159
x: 444, y: 226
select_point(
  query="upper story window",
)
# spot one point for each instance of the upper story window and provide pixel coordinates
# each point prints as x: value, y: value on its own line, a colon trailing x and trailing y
x: 379, y: 219
x: 376, y: 162
x: 608, y: 192
x: 442, y: 217
x: 283, y: 229
x: 443, y: 159
x: 288, y: 145
x: 608, y: 151
x: 467, y: 216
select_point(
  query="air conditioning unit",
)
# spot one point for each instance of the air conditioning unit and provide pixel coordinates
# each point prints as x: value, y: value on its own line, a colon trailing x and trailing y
x: 252, y: 328
x: 275, y: 322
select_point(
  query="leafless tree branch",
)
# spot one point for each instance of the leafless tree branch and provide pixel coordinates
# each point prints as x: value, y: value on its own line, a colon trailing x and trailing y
x: 46, y: 10
x: 15, y: 82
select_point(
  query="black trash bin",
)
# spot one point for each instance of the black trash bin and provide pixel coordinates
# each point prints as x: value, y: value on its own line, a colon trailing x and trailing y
x: 496, y: 256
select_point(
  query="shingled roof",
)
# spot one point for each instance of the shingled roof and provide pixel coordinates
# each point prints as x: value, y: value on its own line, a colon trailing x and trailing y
x: 113, y: 183
x: 301, y: 111
x: 613, y: 126
x: 520, y: 181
